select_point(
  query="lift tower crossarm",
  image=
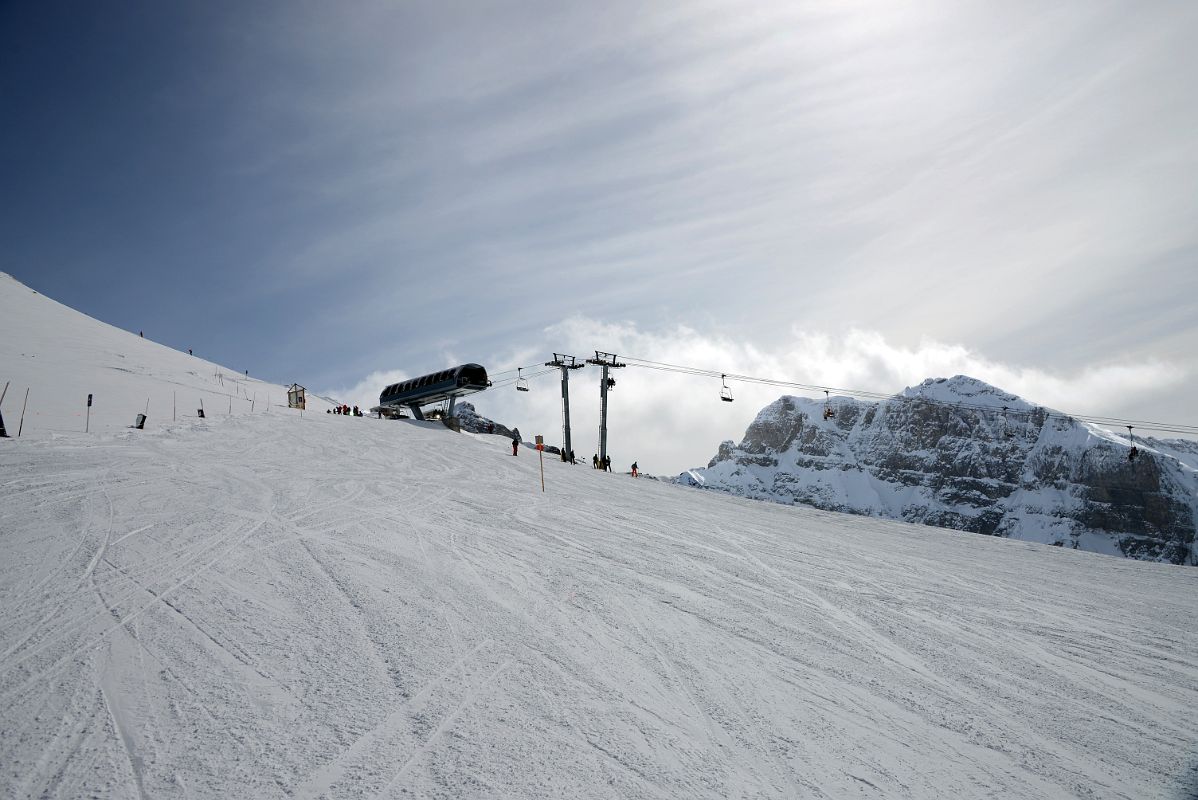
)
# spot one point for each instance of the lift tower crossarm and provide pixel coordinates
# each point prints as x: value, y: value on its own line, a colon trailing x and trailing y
x: 606, y: 361
x: 566, y: 363
x: 569, y: 362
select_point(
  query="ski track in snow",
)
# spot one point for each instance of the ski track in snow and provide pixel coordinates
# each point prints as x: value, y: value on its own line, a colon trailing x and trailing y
x: 267, y: 607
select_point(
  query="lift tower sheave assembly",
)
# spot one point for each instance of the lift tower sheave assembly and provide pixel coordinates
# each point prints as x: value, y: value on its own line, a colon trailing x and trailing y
x: 566, y: 363
x: 606, y: 361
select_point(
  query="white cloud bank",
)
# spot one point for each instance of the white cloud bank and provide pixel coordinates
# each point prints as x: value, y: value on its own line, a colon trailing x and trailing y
x: 668, y: 421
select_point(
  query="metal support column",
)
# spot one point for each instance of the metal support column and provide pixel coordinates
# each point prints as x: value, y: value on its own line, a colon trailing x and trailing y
x: 567, y: 445
x: 607, y: 361
x: 566, y: 363
x: 603, y: 417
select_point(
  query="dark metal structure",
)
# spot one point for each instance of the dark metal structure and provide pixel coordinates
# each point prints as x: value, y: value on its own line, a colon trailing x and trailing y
x: 606, y: 361
x: 448, y: 384
x: 566, y: 363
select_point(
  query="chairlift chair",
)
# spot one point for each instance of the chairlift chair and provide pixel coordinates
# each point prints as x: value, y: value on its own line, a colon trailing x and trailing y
x: 521, y: 381
x: 1134, y: 451
x: 829, y: 412
x: 725, y: 393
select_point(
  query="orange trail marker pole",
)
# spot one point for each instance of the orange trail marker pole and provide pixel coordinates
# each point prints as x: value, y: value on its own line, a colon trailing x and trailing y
x: 541, y: 453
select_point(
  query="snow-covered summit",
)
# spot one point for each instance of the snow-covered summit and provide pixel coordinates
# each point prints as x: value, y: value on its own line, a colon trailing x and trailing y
x: 964, y: 389
x: 961, y: 453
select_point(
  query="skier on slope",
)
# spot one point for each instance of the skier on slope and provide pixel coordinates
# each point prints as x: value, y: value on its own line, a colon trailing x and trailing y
x: 515, y: 445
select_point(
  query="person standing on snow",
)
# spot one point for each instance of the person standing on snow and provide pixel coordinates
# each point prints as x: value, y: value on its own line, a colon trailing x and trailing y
x: 634, y: 469
x: 515, y: 445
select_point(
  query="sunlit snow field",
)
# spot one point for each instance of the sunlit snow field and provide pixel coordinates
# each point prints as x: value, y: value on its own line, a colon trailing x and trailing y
x: 262, y: 605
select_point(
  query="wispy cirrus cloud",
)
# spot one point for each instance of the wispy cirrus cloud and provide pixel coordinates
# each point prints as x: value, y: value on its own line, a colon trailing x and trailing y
x: 926, y: 169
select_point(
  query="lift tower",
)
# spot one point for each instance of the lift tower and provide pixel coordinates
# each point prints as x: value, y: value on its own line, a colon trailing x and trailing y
x: 607, y: 361
x: 566, y: 363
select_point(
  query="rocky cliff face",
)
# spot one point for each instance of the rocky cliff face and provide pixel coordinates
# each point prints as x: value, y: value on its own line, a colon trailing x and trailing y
x: 959, y: 453
x: 468, y: 419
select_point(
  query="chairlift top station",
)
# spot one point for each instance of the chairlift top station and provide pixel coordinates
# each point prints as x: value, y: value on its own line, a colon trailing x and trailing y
x: 448, y: 384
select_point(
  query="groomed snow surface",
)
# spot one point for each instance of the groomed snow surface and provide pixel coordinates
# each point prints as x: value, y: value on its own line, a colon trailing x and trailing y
x: 268, y: 606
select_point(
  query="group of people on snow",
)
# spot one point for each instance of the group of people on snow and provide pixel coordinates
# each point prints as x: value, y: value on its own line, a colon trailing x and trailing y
x: 345, y: 411
x: 604, y: 465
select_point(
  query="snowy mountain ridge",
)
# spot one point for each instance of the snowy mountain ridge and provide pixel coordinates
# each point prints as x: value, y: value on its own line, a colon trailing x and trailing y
x: 959, y: 453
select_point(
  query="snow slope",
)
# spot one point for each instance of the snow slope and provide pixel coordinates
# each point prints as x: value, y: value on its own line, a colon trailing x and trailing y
x: 266, y: 605
x: 62, y: 356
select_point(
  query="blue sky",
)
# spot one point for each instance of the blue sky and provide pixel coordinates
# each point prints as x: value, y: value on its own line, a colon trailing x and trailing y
x: 861, y: 194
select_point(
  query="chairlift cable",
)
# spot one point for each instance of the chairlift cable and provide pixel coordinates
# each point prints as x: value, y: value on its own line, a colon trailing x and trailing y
x: 1163, y: 427
x: 529, y: 377
x: 515, y: 369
